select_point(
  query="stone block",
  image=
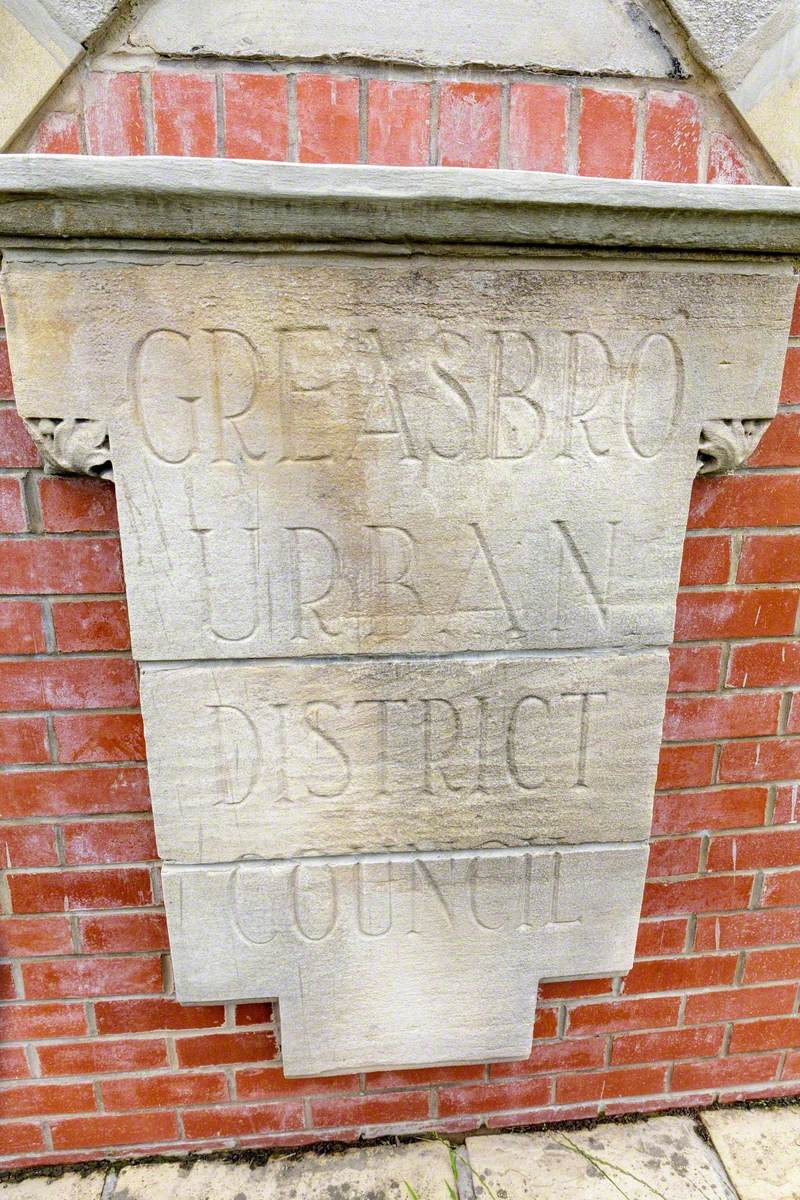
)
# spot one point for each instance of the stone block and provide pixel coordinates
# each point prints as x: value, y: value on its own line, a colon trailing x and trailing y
x: 290, y: 759
x: 385, y: 961
x: 760, y: 1150
x: 35, y: 54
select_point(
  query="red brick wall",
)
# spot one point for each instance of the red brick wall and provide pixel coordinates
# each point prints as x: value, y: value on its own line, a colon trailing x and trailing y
x: 97, y: 1057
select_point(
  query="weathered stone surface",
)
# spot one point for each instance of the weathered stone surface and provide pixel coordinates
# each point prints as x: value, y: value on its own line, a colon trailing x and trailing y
x: 661, y: 1158
x: 287, y: 759
x: 81, y: 18
x: 760, y: 1149
x: 600, y: 36
x: 445, y: 455
x: 69, y: 1186
x: 35, y: 53
x: 380, y: 1173
x: 385, y: 961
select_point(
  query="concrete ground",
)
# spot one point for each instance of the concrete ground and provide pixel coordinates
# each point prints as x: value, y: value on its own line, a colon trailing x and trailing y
x: 730, y: 1154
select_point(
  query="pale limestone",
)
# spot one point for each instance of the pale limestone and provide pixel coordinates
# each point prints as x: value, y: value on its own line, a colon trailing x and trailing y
x: 35, y: 53
x: 459, y: 455
x: 382, y: 1173
x: 601, y: 36
x: 402, y: 960
x: 69, y: 1186
x: 661, y: 1158
x: 286, y: 759
x: 760, y: 1149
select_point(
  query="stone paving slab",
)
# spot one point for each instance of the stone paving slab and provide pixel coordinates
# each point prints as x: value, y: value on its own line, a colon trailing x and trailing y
x: 760, y: 1148
x: 380, y: 1173
x: 69, y: 1186
x: 658, y: 1159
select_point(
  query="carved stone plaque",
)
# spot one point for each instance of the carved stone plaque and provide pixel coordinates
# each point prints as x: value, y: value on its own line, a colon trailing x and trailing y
x: 401, y: 535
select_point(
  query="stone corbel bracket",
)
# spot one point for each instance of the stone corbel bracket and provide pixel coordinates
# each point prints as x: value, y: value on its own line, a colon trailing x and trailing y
x: 402, y: 524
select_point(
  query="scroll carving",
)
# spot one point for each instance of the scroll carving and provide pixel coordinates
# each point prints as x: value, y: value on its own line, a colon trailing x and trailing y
x: 72, y: 446
x: 726, y: 444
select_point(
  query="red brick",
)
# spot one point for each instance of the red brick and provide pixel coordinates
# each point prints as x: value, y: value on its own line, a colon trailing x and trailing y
x: 327, y: 118
x: 16, y: 445
x: 734, y: 930
x: 13, y: 1063
x: 40, y: 1099
x: 469, y: 124
x: 761, y: 966
x: 110, y: 841
x: 12, y: 510
x: 794, y: 328
x: 26, y: 937
x: 558, y: 1056
x: 270, y: 1083
x: 23, y: 740
x: 781, y: 889
x: 790, y: 385
x: 59, y: 683
x: 746, y: 762
x: 661, y: 937
x: 744, y: 852
x: 28, y: 846
x: 673, y: 856
x: 8, y: 987
x: 82, y: 625
x: 727, y: 808
x: 720, y: 1071
x: 785, y: 809
x: 253, y: 1014
x: 21, y: 628
x: 706, y: 560
x: 375, y: 1110
x: 685, y: 766
x: 61, y: 792
x: 688, y: 717
x: 780, y: 445
x: 671, y: 975
x: 19, y: 1137
x: 545, y: 1022
x: 91, y: 977
x: 161, y: 1091
x: 242, y: 1120
x: 256, y: 116
x: 666, y: 1047
x: 90, y: 1058
x: 6, y: 383
x: 68, y: 891
x: 694, y: 668
x: 731, y: 501
x: 703, y: 616
x: 769, y: 558
x: 95, y: 1133
x: 537, y: 127
x: 114, y: 114
x: 144, y: 1016
x: 632, y: 1081
x: 575, y: 989
x: 71, y: 566
x: 779, y: 1034
x: 793, y: 720
x: 606, y: 134
x: 398, y: 123
x: 791, y: 1067
x: 764, y: 664
x: 184, y: 113
x: 58, y: 133
x: 614, y: 1016
x: 121, y: 933
x: 77, y: 505
x: 696, y: 895
x: 734, y: 1004
x: 726, y: 163
x: 212, y: 1049
x: 113, y: 737
x: 672, y: 137
x: 27, y: 1022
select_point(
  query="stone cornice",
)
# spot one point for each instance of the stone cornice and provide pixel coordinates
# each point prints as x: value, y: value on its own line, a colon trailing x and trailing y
x: 60, y: 197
